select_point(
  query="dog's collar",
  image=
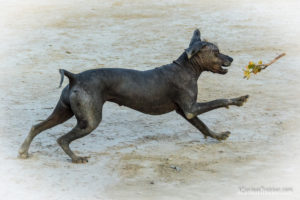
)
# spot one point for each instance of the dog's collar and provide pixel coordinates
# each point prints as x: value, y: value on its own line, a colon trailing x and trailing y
x: 193, y: 69
x: 177, y: 63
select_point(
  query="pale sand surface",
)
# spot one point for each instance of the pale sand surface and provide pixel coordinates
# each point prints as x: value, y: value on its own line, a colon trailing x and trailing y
x: 131, y: 153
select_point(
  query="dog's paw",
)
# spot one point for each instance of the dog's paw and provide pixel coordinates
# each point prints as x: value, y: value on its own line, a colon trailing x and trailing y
x: 79, y: 160
x: 240, y: 100
x: 23, y: 155
x: 222, y: 136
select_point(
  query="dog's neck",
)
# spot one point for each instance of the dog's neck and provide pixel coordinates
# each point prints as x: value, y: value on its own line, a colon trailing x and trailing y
x: 185, y: 62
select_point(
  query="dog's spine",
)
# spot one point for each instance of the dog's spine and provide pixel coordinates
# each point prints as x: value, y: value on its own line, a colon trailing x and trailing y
x: 70, y: 76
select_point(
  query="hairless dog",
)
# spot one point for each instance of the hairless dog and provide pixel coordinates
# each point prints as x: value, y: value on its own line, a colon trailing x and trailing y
x: 157, y: 91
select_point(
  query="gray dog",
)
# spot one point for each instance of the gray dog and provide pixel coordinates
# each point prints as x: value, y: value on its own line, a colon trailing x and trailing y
x: 157, y: 91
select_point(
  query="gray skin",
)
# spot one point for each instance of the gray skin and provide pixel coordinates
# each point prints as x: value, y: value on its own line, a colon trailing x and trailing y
x: 157, y: 91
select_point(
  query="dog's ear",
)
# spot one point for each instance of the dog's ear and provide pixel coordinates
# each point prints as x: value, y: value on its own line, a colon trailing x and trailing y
x: 194, y: 48
x: 195, y: 38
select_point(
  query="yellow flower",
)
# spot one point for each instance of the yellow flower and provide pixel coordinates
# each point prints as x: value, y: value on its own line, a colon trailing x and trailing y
x: 246, y: 74
x: 255, y: 70
x: 260, y: 62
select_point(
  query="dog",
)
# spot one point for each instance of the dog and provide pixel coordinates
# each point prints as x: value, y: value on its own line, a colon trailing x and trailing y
x: 171, y: 87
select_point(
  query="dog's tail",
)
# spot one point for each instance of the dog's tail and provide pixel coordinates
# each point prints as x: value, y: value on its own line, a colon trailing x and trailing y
x: 70, y: 75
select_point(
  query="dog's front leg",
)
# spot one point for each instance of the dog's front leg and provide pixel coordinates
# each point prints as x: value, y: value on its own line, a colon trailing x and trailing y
x: 195, y: 109
x: 197, y: 123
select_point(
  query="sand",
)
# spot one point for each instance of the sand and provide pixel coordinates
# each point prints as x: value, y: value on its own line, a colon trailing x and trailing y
x: 137, y: 156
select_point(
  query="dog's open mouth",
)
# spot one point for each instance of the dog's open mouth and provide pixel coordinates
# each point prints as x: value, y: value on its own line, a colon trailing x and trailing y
x: 223, y: 70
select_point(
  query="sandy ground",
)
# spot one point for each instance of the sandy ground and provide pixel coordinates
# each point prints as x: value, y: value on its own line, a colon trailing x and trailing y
x: 132, y: 154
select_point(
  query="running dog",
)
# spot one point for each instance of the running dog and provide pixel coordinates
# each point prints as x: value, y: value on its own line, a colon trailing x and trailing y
x: 155, y: 92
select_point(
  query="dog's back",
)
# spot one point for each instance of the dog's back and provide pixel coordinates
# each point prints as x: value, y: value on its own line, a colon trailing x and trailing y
x: 146, y: 91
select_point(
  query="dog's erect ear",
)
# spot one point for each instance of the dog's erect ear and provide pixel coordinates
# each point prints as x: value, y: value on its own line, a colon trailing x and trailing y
x: 194, y: 48
x: 195, y: 38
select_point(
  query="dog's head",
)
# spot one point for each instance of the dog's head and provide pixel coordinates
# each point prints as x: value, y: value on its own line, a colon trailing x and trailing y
x: 206, y: 55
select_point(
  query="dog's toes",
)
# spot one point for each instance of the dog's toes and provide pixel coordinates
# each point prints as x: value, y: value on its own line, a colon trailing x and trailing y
x: 240, y: 100
x: 223, y: 135
x: 245, y: 98
x: 23, y: 152
x: 79, y: 160
x: 24, y: 155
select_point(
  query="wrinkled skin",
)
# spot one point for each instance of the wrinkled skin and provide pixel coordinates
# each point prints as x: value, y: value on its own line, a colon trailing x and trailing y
x: 157, y: 91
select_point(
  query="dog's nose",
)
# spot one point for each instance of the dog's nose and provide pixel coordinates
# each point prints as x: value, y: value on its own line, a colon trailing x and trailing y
x: 230, y: 59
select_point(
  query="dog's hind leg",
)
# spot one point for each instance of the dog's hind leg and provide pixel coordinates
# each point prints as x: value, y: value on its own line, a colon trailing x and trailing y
x: 196, y: 122
x: 60, y: 114
x: 88, y: 112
